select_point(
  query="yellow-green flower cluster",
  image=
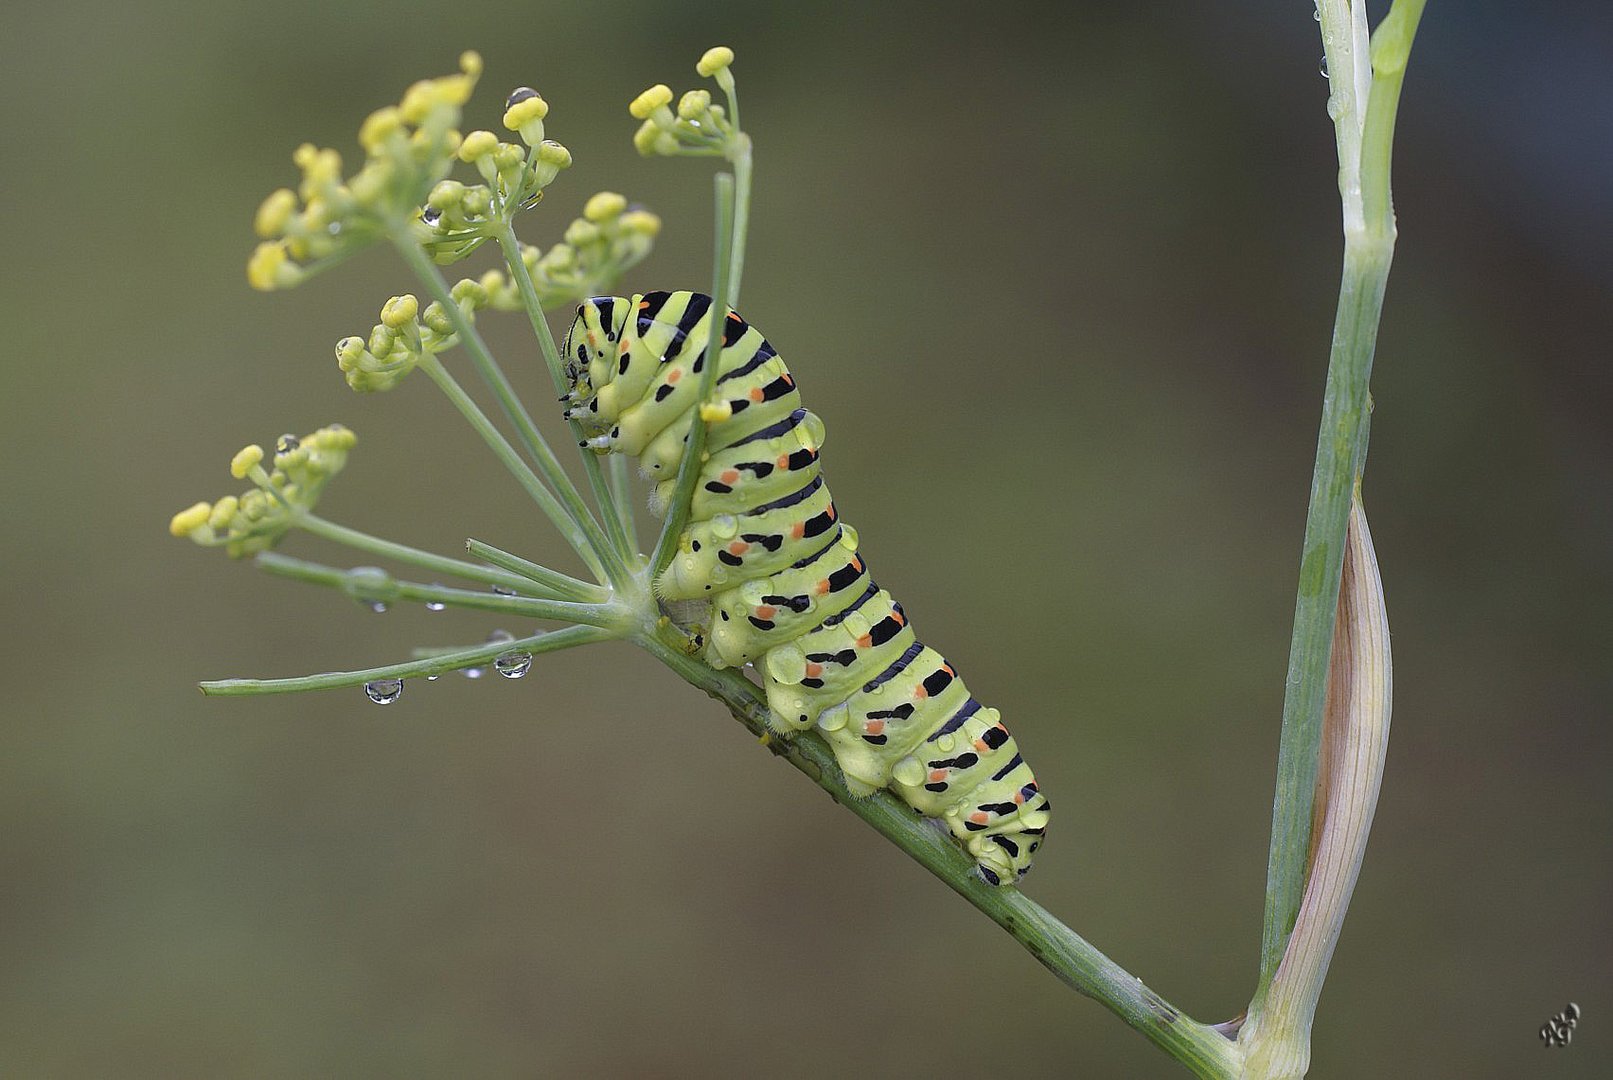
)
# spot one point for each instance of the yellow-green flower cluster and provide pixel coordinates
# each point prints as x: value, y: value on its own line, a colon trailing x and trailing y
x: 456, y: 216
x: 695, y: 126
x: 256, y: 519
x: 408, y: 148
x: 404, y: 335
x: 599, y: 247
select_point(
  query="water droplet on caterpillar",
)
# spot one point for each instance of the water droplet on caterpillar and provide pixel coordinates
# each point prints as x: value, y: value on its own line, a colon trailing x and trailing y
x: 856, y: 624
x: 812, y: 429
x: 945, y: 743
x: 752, y: 592
x: 848, y: 537
x: 513, y: 665
x: 833, y: 719
x: 786, y: 665
x: 384, y: 691
x: 725, y: 526
x: 910, y: 771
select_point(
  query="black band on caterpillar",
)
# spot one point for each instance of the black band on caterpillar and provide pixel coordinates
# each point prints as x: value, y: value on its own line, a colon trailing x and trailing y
x: 786, y: 587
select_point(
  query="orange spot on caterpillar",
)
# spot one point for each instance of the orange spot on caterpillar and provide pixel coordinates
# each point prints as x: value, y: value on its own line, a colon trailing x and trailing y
x: 798, y: 530
x: 593, y: 341
x: 738, y: 547
x: 674, y: 375
x: 920, y: 693
x: 730, y: 477
x: 937, y: 775
x: 787, y: 380
x: 979, y: 817
x: 901, y: 620
x: 857, y: 563
x: 865, y: 642
x: 757, y: 394
x: 874, y: 727
x: 733, y: 316
x: 766, y: 612
x: 1019, y: 798
x: 831, y: 511
x: 823, y: 586
x: 783, y: 462
x: 980, y: 745
x: 944, y: 666
x: 814, y: 670
x: 642, y: 304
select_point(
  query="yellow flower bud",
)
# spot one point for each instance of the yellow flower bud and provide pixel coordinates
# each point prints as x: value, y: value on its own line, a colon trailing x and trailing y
x: 656, y: 97
x: 470, y: 62
x: 522, y: 107
x: 223, y: 511
x: 646, y: 138
x: 604, y: 206
x: 693, y: 105
x: 641, y: 222
x: 381, y: 123
x: 477, y: 144
x: 715, y: 60
x: 189, y: 520
x: 268, y: 268
x: 581, y: 233
x: 274, y: 213
x: 245, y: 461
x: 399, y: 311
x: 552, y: 153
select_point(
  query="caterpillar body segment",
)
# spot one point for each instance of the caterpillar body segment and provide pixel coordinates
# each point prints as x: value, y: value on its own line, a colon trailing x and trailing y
x: 779, y: 575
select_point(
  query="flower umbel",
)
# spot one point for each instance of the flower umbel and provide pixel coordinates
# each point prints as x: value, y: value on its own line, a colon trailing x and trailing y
x: 256, y: 519
x: 694, y: 127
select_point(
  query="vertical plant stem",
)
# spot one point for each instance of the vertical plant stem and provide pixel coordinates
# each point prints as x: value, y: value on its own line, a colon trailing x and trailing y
x: 609, y: 509
x: 694, y: 450
x: 742, y: 184
x: 1369, y: 238
x: 1074, y: 960
x: 605, y: 559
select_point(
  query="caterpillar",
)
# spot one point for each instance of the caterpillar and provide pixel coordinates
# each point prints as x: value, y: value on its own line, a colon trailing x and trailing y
x: 776, y: 577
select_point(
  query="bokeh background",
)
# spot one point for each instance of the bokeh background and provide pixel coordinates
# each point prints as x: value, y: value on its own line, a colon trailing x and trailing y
x: 1060, y: 279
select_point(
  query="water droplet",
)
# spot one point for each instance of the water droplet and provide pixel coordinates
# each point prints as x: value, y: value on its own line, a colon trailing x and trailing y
x: 285, y: 444
x: 512, y: 665
x: 433, y: 678
x: 909, y: 771
x: 435, y: 605
x: 786, y: 665
x: 504, y: 590
x: 752, y: 592
x: 378, y: 606
x: 1316, y: 13
x: 812, y: 429
x: 384, y: 691
x: 1325, y: 75
x: 835, y: 718
x: 856, y: 624
x: 945, y: 743
x: 499, y: 635
x: 473, y: 672
x: 848, y: 537
x: 725, y: 525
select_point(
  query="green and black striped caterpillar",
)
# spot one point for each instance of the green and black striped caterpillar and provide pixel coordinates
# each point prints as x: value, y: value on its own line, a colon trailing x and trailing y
x: 786, y: 588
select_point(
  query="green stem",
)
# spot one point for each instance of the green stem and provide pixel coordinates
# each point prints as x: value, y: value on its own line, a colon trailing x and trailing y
x: 741, y: 158
x: 443, y: 663
x: 603, y: 615
x: 1205, y: 1051
x: 603, y: 558
x: 1340, y: 456
x: 495, y: 440
x: 621, y: 490
x: 608, y: 508
x: 426, y: 560
x: 532, y: 575
x: 694, y: 450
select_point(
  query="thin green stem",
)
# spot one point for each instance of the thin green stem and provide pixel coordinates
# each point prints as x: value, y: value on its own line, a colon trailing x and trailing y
x: 388, y: 589
x: 621, y: 490
x: 426, y: 560
x: 741, y: 157
x: 440, y: 664
x: 1061, y: 950
x: 512, y: 460
x: 604, y: 559
x: 534, y: 576
x: 694, y: 450
x: 615, y: 528
x: 1340, y: 457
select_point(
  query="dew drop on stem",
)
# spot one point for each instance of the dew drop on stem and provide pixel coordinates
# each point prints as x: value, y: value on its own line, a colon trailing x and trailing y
x: 513, y: 665
x: 384, y: 691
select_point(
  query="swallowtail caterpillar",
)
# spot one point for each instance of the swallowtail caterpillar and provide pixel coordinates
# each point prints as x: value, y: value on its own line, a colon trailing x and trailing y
x: 779, y: 572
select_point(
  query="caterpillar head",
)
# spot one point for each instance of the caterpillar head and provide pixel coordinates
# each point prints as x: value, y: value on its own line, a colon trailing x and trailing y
x: 590, y: 352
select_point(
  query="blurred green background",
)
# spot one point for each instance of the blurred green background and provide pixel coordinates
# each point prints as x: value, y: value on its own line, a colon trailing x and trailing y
x: 1060, y: 280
